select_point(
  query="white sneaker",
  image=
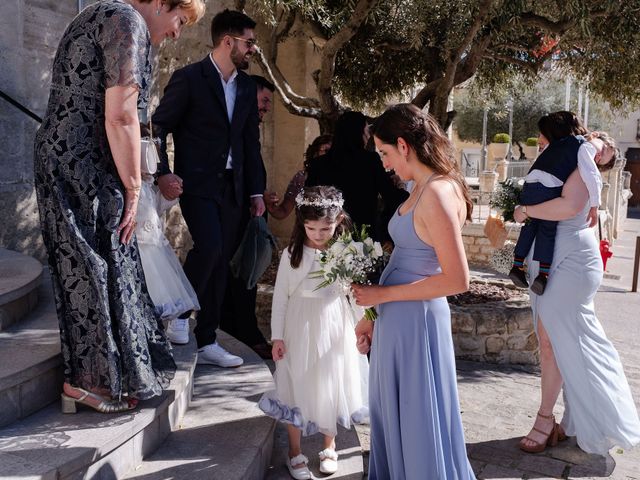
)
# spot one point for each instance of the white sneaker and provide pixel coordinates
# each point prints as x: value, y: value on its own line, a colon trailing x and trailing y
x: 178, y: 331
x: 214, y: 354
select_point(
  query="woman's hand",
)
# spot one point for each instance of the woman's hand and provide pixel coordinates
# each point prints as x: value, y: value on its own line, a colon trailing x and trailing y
x: 271, y: 200
x: 518, y: 215
x: 368, y: 295
x: 127, y: 226
x: 278, y: 350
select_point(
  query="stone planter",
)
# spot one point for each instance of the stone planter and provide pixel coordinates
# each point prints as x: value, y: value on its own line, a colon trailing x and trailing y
x: 502, y: 168
x: 497, y: 151
x: 530, y: 152
x: 496, y: 331
x: 487, y: 181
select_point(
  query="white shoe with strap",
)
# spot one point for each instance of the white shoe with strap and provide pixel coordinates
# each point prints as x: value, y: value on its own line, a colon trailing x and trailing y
x: 296, y: 471
x: 328, y: 461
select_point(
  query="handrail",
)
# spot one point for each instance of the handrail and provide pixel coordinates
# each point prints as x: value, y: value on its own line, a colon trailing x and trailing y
x: 20, y: 107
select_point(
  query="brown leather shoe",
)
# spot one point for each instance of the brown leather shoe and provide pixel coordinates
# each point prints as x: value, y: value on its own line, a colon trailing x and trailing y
x: 263, y: 350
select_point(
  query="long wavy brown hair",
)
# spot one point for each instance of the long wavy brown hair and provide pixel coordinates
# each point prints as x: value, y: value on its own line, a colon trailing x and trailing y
x: 423, y: 134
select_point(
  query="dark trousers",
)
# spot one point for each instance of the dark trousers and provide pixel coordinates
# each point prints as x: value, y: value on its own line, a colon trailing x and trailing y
x: 542, y: 231
x: 239, y: 306
x: 214, y: 228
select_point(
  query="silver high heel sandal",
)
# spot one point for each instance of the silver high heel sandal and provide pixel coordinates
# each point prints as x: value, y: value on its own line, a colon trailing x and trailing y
x: 69, y: 404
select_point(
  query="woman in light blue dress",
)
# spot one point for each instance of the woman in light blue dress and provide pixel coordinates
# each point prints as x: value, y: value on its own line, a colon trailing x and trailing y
x: 416, y: 429
x: 575, y: 354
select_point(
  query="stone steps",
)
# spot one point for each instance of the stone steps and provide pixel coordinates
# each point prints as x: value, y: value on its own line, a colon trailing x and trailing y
x: 224, y: 435
x: 30, y: 361
x: 51, y: 445
x: 36, y: 440
x: 20, y: 277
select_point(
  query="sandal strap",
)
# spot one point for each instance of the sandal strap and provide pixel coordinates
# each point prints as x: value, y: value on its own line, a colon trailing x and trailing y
x: 547, y: 417
x: 329, y: 453
x: 547, y: 434
x: 298, y: 459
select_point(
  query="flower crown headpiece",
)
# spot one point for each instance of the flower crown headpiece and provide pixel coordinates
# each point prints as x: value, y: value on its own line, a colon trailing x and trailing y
x: 301, y: 200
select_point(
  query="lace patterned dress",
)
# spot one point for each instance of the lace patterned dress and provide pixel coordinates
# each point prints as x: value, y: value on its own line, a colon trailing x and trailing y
x: 110, y: 334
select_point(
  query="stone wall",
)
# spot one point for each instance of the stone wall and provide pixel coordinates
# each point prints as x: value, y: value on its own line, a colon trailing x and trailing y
x: 495, y: 332
x: 477, y: 245
x: 29, y: 35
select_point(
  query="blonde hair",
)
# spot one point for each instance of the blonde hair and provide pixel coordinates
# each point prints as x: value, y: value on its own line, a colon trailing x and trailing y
x: 608, y: 141
x: 193, y: 8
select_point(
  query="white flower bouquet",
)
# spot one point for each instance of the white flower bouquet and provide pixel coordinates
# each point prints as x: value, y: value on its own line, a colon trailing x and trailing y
x: 351, y: 258
x: 507, y: 196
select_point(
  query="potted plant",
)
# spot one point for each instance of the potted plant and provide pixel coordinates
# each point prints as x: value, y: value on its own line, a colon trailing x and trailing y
x: 531, y: 148
x: 498, y: 148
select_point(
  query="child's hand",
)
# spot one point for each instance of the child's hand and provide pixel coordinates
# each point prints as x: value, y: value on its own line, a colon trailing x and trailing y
x: 592, y: 216
x: 363, y: 345
x: 278, y: 350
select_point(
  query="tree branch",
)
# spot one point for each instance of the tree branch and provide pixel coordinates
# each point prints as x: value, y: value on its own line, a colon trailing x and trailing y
x: 332, y: 47
x: 532, y: 67
x: 535, y: 20
x: 289, y: 97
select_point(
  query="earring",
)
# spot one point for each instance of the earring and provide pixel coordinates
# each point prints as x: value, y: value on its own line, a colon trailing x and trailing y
x: 158, y: 12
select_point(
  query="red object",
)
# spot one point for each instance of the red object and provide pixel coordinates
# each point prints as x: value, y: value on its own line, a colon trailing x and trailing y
x: 605, y: 253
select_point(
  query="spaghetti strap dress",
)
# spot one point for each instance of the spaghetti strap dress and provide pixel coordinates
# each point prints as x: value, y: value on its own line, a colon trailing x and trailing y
x: 599, y: 409
x: 416, y: 428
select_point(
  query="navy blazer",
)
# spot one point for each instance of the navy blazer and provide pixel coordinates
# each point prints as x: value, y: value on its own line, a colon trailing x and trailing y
x: 194, y: 110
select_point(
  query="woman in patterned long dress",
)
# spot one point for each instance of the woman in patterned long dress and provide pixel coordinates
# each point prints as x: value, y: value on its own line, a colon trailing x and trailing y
x: 87, y: 179
x: 416, y: 428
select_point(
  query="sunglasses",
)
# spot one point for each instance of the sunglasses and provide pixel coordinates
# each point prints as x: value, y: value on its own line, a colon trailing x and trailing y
x: 251, y: 42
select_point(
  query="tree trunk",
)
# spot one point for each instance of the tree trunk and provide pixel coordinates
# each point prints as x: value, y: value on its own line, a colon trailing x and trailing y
x: 327, y: 122
x: 438, y: 109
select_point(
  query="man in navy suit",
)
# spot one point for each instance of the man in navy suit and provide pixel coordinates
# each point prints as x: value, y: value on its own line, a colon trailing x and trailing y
x: 211, y: 110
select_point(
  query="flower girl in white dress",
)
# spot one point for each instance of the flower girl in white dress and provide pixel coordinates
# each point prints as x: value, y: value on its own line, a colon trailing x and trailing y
x: 320, y: 376
x: 170, y: 291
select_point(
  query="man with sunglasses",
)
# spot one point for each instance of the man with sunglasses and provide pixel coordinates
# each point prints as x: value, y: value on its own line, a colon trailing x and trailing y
x: 211, y: 110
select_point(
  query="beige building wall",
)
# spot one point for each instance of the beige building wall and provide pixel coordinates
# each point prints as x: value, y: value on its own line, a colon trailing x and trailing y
x: 289, y: 134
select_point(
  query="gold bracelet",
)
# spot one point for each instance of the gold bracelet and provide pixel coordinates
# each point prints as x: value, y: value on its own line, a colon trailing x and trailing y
x: 133, y: 189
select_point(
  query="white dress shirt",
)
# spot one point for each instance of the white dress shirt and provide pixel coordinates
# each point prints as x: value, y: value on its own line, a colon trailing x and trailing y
x: 230, y: 88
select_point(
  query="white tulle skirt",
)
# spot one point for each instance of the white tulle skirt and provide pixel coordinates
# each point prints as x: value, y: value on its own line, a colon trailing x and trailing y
x: 322, y: 380
x: 170, y: 291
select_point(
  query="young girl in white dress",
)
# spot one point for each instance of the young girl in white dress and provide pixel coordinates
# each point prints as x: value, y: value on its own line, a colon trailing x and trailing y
x: 320, y: 376
x: 170, y: 291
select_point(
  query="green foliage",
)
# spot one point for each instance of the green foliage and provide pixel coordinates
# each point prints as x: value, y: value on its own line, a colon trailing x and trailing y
x: 501, y: 138
x: 404, y: 45
x: 506, y: 197
x: 531, y: 142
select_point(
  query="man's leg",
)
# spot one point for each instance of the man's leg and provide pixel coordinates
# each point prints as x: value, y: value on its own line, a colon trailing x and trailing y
x: 202, y: 216
x: 239, y: 307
